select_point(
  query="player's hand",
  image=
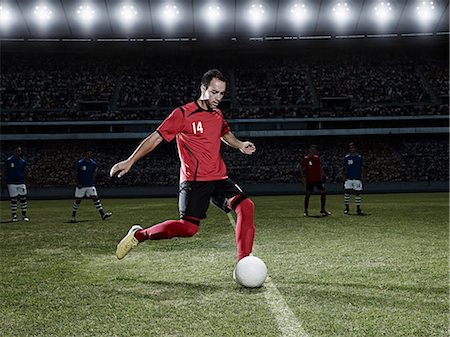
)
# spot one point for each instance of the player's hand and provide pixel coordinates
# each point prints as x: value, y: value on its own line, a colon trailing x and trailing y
x: 247, y: 148
x: 120, y: 168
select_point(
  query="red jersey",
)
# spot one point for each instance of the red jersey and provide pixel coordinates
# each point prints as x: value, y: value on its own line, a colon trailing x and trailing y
x: 311, y: 166
x: 198, y: 133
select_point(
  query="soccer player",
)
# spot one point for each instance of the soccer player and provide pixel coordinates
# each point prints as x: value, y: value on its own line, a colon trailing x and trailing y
x: 312, y: 176
x: 15, y: 167
x: 353, y: 173
x: 198, y: 127
x: 86, y: 170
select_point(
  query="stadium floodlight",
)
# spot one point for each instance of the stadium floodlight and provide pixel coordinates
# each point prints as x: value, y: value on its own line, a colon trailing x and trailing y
x: 127, y: 15
x: 86, y: 14
x: 256, y: 14
x: 383, y: 12
x: 212, y: 14
x: 6, y: 17
x: 426, y: 11
x: 341, y: 13
x: 43, y: 14
x: 170, y: 14
x: 298, y: 13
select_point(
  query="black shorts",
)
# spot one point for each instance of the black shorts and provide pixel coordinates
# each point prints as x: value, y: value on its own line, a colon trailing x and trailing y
x: 317, y: 184
x: 194, y: 197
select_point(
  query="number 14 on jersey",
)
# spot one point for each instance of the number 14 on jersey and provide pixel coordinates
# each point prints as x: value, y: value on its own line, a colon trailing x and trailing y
x: 197, y: 127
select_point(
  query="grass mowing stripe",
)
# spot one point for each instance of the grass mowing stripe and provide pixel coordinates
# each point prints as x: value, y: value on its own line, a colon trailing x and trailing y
x: 288, y: 324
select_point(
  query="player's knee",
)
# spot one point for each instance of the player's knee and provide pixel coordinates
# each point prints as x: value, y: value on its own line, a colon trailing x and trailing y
x: 248, y: 204
x: 188, y: 228
x: 245, y: 208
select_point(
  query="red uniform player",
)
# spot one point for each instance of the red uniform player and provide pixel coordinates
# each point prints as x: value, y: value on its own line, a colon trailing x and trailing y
x: 312, y: 174
x: 199, y: 129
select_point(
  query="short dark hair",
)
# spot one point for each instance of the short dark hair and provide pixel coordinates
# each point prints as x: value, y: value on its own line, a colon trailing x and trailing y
x: 352, y: 144
x: 313, y: 146
x: 210, y: 74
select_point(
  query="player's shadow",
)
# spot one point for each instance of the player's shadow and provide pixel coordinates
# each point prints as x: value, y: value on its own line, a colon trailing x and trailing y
x: 355, y: 214
x: 6, y: 221
x: 316, y: 216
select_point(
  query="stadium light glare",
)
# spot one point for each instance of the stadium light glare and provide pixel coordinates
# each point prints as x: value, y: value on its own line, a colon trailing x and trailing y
x: 127, y: 15
x: 298, y: 13
x: 383, y: 12
x: 170, y: 14
x: 341, y: 13
x: 426, y: 11
x: 256, y: 14
x: 6, y: 17
x: 86, y: 14
x: 43, y: 14
x: 212, y: 14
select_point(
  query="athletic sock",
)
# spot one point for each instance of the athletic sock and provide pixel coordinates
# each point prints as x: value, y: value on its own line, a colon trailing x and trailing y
x: 347, y: 200
x: 306, y: 203
x: 358, y: 200
x: 323, y: 200
x: 167, y: 230
x: 75, y: 207
x: 99, y: 207
x: 245, y: 228
x: 14, y: 207
x: 23, y: 205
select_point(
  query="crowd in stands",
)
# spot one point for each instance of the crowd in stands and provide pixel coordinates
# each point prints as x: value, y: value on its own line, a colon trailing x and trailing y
x: 232, y: 113
x: 390, y: 159
x: 37, y: 88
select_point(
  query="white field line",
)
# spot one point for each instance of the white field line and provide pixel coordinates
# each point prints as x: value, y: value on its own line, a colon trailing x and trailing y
x: 288, y: 324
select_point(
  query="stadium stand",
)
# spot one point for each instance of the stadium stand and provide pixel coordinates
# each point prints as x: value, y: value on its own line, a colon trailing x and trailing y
x: 43, y: 87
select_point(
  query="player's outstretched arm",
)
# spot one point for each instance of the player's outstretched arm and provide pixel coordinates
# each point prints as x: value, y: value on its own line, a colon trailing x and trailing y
x: 145, y: 147
x: 245, y: 147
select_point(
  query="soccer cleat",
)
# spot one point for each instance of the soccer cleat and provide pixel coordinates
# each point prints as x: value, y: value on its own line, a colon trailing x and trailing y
x: 346, y: 211
x: 305, y: 213
x: 360, y: 211
x: 128, y: 242
x: 15, y: 219
x: 25, y: 218
x: 106, y: 216
x: 325, y: 212
x: 73, y: 220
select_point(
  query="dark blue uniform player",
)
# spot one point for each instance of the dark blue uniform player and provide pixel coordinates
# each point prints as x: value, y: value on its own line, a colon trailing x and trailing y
x: 15, y: 167
x: 353, y: 173
x: 86, y: 169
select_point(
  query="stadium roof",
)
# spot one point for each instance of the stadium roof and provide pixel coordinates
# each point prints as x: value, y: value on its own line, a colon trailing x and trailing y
x: 150, y: 19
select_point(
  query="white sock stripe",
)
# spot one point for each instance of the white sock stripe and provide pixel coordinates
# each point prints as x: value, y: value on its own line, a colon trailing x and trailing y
x: 288, y: 324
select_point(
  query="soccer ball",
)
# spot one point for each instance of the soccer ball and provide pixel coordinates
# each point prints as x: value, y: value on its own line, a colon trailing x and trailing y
x: 251, y: 272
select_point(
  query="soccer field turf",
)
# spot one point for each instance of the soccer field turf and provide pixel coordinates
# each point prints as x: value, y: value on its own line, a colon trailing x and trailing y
x: 383, y: 274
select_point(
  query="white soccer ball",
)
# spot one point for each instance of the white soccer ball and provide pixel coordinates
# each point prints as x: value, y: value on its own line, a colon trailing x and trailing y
x: 251, y: 272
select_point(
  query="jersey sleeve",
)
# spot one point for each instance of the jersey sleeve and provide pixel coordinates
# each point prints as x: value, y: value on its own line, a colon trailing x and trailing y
x: 225, y: 127
x: 172, y: 125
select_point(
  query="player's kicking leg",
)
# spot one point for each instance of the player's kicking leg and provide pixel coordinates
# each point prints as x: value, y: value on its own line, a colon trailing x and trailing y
x: 164, y: 230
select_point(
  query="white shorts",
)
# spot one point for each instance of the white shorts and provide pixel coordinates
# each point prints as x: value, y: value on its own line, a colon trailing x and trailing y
x: 17, y: 189
x: 353, y: 184
x: 85, y: 191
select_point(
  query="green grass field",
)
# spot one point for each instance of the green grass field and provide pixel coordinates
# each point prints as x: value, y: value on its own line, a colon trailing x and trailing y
x: 384, y: 274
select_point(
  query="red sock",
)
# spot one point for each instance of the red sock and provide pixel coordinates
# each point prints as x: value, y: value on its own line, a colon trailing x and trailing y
x: 245, y: 228
x: 167, y: 230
